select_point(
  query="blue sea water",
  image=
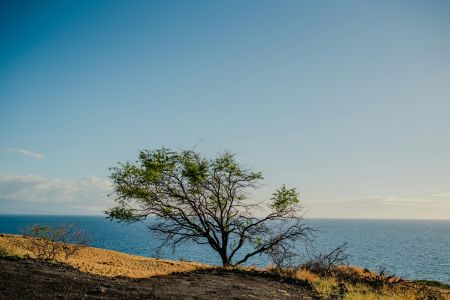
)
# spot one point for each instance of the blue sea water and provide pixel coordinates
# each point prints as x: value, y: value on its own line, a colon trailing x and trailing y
x: 407, y: 248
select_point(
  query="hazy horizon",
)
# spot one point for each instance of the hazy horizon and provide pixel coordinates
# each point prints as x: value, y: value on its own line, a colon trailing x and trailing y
x: 347, y: 101
x: 306, y: 218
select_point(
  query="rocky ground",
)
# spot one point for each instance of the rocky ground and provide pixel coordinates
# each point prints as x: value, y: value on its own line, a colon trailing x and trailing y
x: 33, y: 279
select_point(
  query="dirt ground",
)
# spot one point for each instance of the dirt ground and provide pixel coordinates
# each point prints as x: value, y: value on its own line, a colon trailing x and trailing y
x: 33, y: 279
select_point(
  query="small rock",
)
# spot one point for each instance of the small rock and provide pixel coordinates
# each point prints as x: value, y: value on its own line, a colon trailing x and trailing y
x: 99, y: 290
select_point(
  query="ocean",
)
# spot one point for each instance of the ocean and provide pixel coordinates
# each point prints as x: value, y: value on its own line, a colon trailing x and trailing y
x: 413, y: 249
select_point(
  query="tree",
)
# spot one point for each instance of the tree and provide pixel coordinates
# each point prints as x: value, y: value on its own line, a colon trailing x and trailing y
x: 206, y: 201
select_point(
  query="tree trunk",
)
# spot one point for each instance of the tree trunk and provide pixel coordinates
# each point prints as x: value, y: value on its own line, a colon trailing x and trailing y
x: 226, y: 263
x: 225, y: 259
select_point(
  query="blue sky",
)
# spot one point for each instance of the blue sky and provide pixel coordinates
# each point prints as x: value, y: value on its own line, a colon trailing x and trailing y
x: 349, y: 101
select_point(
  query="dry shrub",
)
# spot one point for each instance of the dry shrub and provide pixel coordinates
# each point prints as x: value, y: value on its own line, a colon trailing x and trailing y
x: 332, y: 278
x: 324, y: 264
x: 356, y: 283
x: 45, y: 241
x: 374, y: 279
x: 283, y: 257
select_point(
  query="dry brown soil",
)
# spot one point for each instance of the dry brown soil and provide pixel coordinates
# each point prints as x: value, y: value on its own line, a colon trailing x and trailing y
x: 33, y: 279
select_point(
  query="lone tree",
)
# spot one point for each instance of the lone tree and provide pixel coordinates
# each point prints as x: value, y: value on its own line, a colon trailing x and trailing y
x: 206, y: 201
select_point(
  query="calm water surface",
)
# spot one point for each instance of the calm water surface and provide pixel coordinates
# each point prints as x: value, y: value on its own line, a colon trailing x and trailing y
x: 411, y: 249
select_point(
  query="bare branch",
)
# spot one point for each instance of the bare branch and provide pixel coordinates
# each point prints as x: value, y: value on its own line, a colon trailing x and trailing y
x: 205, y: 201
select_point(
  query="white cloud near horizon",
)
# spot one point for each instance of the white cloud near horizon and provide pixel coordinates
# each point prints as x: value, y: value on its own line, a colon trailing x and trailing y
x: 428, y: 206
x: 440, y: 197
x: 30, y: 194
x: 26, y: 152
x: 445, y: 195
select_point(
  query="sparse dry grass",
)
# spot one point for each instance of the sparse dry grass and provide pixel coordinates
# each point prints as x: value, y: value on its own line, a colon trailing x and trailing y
x: 355, y: 283
x: 364, y: 291
x: 327, y: 287
x: 306, y: 275
x: 106, y: 262
x: 333, y: 288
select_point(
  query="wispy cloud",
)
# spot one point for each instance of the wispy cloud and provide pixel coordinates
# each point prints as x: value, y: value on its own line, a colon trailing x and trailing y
x: 395, y: 200
x: 444, y: 195
x: 31, y: 194
x: 26, y: 152
x: 425, y: 206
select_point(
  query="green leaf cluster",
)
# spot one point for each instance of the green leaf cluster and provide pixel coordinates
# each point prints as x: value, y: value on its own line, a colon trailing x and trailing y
x: 284, y: 198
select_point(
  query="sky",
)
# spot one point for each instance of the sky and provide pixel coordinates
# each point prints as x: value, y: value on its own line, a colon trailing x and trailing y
x: 348, y: 101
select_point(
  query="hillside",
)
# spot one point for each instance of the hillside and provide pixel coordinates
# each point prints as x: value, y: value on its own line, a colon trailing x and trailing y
x: 107, y: 262
x: 95, y: 273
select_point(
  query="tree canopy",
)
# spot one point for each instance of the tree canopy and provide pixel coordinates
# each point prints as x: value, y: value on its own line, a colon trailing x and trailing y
x: 206, y: 201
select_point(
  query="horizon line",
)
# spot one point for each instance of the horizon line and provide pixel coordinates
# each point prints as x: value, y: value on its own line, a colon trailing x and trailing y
x: 322, y: 218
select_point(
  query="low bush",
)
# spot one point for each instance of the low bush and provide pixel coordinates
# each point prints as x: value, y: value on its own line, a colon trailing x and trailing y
x: 45, y: 241
x: 332, y: 278
x: 326, y: 264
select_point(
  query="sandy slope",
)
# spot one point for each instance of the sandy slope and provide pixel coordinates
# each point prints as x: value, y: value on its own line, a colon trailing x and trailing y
x: 107, y: 262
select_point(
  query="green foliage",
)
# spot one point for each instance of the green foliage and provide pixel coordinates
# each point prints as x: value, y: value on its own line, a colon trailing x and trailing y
x: 177, y: 177
x: 258, y: 242
x: 202, y: 200
x: 283, y: 198
x: 123, y: 214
